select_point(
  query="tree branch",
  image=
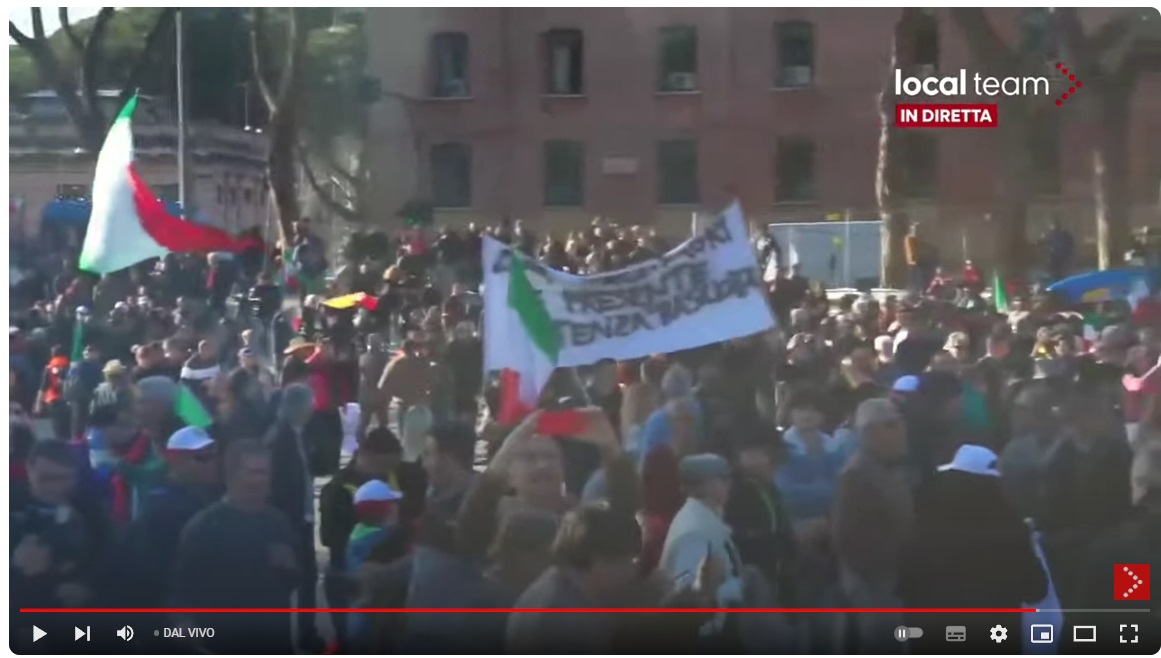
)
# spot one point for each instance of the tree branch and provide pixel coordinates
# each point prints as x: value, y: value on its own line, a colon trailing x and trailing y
x: 346, y: 212
x: 51, y: 75
x: 1125, y: 27
x: 295, y: 47
x: 1070, y: 37
x: 327, y: 158
x: 91, y: 63
x: 983, y: 41
x: 161, y: 29
x: 23, y: 40
x: 1116, y: 43
x: 66, y: 26
x: 37, y: 24
x: 257, y: 42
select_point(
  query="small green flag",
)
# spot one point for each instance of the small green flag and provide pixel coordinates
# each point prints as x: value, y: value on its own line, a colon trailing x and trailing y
x: 78, y: 351
x: 999, y: 293
x: 190, y: 409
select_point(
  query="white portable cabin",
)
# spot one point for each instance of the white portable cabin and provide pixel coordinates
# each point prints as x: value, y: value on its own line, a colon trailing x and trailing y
x: 840, y: 254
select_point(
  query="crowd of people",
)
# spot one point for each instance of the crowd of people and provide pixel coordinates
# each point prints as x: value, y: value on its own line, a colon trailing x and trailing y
x: 169, y: 423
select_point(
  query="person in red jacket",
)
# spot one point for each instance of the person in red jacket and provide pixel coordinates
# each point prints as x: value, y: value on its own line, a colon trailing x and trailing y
x: 325, y: 427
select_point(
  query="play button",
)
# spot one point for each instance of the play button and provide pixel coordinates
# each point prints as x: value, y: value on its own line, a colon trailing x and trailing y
x: 37, y: 633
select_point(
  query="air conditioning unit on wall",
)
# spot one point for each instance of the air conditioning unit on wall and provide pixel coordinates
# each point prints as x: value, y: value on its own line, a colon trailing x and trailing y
x: 454, y: 88
x: 798, y: 76
x: 681, y: 81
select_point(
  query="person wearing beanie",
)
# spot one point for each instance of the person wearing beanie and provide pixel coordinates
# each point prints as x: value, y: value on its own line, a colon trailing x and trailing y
x: 377, y: 512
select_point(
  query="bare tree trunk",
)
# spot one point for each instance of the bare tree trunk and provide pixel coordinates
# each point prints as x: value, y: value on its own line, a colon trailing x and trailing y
x: 1111, y: 175
x: 1112, y: 58
x: 893, y: 264
x: 1014, y: 186
x: 1014, y: 170
x: 281, y: 97
x: 281, y: 172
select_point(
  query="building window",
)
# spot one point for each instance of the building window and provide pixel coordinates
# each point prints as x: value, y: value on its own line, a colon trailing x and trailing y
x: 564, y: 173
x: 794, y: 170
x: 920, y: 153
x: 451, y: 175
x: 795, y: 47
x: 450, y: 52
x: 233, y: 196
x: 678, y: 55
x: 170, y: 192
x: 564, y: 52
x: 677, y: 171
x: 1044, y: 150
x: 926, y: 45
x: 248, y: 196
x: 72, y: 192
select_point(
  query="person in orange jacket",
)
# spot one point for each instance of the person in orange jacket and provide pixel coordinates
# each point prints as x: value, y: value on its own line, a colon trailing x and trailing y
x: 50, y: 398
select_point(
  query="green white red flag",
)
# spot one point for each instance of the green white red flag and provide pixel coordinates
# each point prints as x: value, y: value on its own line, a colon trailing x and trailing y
x: 128, y: 223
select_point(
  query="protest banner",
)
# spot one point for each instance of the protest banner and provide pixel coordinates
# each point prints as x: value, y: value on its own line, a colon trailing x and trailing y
x: 706, y: 290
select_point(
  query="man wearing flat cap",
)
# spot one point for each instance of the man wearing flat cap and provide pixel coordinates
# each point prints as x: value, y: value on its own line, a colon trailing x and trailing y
x: 700, y: 531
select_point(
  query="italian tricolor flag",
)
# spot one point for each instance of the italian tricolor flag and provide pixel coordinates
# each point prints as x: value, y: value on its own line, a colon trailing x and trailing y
x: 128, y: 223
x: 534, y: 346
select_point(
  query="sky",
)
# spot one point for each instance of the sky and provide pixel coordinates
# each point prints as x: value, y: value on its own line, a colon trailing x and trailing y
x: 23, y: 17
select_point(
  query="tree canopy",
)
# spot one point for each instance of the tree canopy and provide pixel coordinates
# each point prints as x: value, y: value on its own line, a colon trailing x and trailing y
x: 219, y: 69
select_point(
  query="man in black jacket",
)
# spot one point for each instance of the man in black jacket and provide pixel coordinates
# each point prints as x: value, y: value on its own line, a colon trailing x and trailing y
x: 969, y: 548
x: 762, y: 528
x: 292, y: 493
x: 54, y: 550
x: 377, y: 458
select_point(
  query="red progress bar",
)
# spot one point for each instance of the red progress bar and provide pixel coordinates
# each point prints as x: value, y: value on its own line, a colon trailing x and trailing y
x: 511, y: 610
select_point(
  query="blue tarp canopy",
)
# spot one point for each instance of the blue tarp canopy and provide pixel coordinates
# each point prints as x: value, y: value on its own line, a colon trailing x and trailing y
x: 1103, y: 285
x: 75, y: 212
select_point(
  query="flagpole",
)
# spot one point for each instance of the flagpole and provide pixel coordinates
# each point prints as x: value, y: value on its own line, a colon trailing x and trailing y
x: 180, y: 58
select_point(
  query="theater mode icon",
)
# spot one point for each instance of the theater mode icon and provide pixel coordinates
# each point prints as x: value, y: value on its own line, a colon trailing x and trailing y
x: 1084, y: 634
x: 1131, y: 582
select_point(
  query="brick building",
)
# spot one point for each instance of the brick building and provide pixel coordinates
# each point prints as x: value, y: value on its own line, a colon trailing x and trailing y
x: 645, y: 115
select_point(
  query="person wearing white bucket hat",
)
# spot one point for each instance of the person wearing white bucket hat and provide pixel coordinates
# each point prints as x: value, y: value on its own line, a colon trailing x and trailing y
x: 970, y: 547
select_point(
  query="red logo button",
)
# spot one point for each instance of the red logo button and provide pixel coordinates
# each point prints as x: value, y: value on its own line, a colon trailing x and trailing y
x: 1131, y: 582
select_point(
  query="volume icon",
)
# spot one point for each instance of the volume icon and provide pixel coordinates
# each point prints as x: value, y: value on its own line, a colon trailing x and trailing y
x: 125, y: 633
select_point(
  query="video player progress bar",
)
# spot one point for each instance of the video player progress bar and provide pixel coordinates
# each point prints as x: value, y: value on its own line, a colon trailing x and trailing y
x: 544, y: 610
x: 1086, y: 610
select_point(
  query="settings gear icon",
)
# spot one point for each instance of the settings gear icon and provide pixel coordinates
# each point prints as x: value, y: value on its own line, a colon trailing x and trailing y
x: 999, y: 634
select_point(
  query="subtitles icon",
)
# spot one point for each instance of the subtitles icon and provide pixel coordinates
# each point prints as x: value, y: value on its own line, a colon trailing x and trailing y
x: 955, y: 633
